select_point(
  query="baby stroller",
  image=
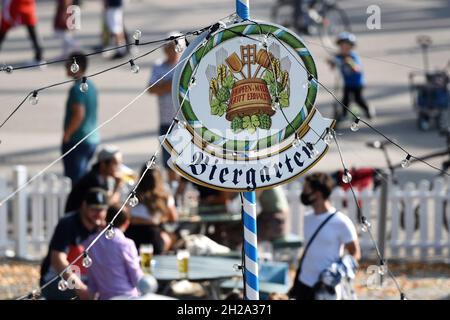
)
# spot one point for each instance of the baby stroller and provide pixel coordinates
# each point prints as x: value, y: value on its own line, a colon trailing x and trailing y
x: 430, y: 95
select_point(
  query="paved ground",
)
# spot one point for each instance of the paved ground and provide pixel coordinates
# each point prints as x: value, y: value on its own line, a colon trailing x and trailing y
x: 418, y: 281
x: 32, y: 137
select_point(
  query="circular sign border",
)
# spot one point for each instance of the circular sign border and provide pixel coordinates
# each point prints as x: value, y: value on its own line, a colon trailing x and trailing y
x: 247, y: 28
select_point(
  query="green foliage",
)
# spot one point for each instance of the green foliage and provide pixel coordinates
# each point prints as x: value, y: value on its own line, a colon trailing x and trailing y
x: 250, y: 123
x: 218, y: 108
x: 228, y: 82
x: 236, y: 124
x: 284, y: 99
x: 265, y: 122
x: 223, y: 94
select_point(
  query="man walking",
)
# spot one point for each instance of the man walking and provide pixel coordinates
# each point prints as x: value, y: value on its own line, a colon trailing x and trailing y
x: 327, y: 232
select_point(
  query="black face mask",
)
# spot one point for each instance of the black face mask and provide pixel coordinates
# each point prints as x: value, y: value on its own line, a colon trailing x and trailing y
x: 305, y: 198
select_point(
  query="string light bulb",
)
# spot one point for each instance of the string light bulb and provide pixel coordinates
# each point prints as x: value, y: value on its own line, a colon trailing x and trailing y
x: 314, y: 152
x: 382, y: 268
x: 34, y: 99
x: 193, y: 82
x: 276, y: 104
x: 406, y: 162
x: 110, y: 233
x: 84, y: 85
x: 297, y: 141
x: 137, y: 35
x: 62, y: 285
x: 134, y: 201
x: 134, y: 66
x: 87, y: 261
x: 329, y: 136
x: 178, y: 46
x: 151, y: 163
x: 346, y: 177
x: 180, y: 123
x: 365, y: 224
x: 264, y: 42
x: 34, y: 295
x: 237, y: 267
x: 9, y: 69
x: 355, y: 125
x: 74, y: 68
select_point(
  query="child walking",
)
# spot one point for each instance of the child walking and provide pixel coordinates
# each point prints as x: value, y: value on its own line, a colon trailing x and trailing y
x: 349, y: 63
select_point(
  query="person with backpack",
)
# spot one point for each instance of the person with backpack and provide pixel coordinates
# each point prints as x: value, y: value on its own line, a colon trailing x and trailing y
x: 327, y: 234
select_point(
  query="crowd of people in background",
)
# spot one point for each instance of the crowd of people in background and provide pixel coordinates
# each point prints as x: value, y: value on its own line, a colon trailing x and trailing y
x: 98, y: 189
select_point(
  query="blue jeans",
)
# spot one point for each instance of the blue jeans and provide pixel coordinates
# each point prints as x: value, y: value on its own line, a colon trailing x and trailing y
x: 76, y: 162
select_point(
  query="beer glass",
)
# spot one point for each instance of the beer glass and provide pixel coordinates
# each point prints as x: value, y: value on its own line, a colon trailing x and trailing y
x: 146, y: 252
x: 183, y: 263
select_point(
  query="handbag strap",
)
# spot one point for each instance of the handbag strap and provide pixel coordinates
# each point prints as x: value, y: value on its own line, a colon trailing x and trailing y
x: 299, y: 269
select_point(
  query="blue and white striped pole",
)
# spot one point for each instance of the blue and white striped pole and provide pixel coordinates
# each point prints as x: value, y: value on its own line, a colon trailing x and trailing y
x: 250, y: 235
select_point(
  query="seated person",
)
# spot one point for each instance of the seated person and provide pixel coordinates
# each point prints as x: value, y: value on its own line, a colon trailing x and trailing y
x: 115, y: 270
x: 213, y: 201
x: 67, y: 244
x: 274, y: 210
x: 156, y: 206
x: 105, y: 174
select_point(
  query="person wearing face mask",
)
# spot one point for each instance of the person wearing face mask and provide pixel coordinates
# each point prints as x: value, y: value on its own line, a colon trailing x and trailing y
x: 67, y: 244
x: 328, y: 233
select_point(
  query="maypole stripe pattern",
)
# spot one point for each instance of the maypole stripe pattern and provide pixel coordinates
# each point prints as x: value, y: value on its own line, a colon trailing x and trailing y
x: 249, y: 214
x: 250, y: 246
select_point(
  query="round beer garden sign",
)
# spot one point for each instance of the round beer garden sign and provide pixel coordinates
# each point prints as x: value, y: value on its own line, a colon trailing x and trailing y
x: 247, y: 95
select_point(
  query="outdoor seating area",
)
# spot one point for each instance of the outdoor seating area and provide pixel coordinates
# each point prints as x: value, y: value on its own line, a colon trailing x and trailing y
x: 226, y: 150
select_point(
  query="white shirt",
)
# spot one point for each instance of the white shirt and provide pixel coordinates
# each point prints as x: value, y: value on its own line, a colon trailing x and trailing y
x: 328, y: 246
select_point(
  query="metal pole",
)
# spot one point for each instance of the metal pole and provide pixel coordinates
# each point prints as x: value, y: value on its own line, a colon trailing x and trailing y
x: 249, y: 219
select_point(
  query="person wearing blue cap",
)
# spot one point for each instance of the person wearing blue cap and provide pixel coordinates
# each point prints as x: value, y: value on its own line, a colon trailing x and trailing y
x: 349, y: 63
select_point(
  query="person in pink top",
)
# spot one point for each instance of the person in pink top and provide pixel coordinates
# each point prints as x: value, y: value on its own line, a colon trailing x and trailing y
x: 115, y: 270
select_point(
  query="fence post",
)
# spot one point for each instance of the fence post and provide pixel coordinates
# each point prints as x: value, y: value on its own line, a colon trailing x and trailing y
x: 395, y: 221
x: 66, y: 187
x: 439, y: 196
x: 37, y: 214
x: 51, y: 204
x: 409, y: 217
x: 424, y: 194
x: 3, y: 219
x: 384, y: 198
x: 20, y: 211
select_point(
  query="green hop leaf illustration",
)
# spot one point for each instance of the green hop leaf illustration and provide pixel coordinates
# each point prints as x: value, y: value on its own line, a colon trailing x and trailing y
x: 236, y: 124
x: 228, y: 82
x: 275, y: 89
x: 250, y: 123
x: 284, y: 99
x: 215, y: 105
x: 265, y: 121
x: 223, y: 94
x: 268, y: 77
x: 222, y: 109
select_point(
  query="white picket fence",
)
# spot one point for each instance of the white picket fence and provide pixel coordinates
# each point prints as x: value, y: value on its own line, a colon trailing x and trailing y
x: 27, y: 221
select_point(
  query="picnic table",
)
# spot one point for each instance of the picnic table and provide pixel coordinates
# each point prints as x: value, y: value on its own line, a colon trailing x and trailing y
x: 209, y: 271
